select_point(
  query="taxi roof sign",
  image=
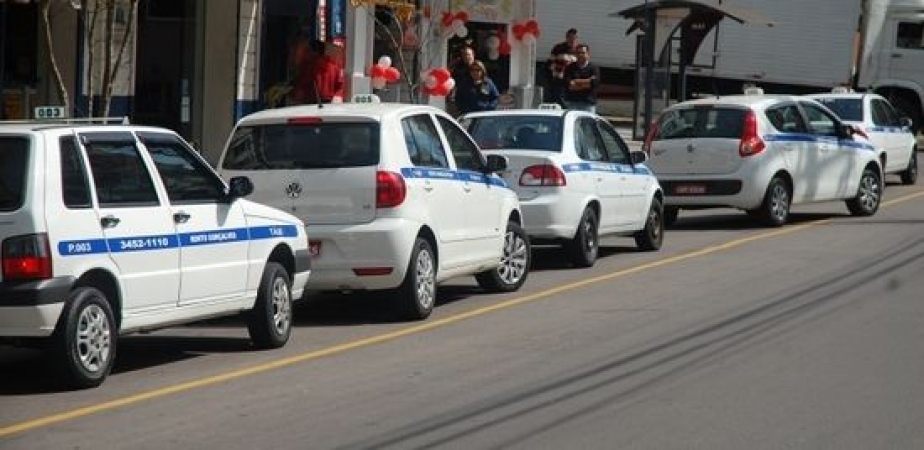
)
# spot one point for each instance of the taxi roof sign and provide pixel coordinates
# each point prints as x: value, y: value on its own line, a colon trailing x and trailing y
x: 366, y: 98
x: 549, y: 106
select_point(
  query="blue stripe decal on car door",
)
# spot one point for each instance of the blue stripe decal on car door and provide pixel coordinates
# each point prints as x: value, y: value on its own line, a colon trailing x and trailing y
x: 160, y: 242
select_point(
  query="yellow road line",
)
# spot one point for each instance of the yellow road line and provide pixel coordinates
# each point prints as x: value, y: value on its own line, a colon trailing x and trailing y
x: 377, y: 339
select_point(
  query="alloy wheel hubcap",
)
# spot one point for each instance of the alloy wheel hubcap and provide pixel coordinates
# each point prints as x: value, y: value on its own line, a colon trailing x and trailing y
x: 282, y: 306
x: 780, y: 202
x: 514, y: 260
x: 426, y: 280
x: 869, y: 192
x: 93, y: 338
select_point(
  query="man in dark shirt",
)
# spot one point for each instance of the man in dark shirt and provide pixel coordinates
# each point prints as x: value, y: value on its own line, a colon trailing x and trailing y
x: 562, y: 56
x: 582, y: 78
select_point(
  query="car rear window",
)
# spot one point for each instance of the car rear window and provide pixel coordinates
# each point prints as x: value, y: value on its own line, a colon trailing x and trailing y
x: 14, y: 152
x: 303, y: 146
x: 850, y: 109
x: 701, y: 122
x: 516, y: 131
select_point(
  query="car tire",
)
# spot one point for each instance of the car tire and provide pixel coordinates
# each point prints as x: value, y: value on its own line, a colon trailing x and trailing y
x: 514, y: 266
x: 910, y: 174
x: 270, y: 320
x: 774, y: 210
x: 416, y: 297
x: 584, y: 247
x: 84, y: 341
x: 869, y: 194
x: 670, y: 215
x: 652, y: 236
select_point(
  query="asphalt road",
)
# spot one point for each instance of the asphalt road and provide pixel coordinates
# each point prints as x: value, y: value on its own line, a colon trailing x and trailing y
x: 732, y: 336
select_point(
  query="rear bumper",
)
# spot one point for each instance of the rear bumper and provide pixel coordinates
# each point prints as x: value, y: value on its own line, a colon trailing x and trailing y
x: 742, y: 189
x: 383, y: 243
x: 31, y: 309
x: 553, y: 216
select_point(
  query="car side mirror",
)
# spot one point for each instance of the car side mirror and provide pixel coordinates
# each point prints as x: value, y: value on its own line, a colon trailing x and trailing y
x: 495, y: 163
x: 239, y: 187
x: 638, y: 157
x: 906, y: 122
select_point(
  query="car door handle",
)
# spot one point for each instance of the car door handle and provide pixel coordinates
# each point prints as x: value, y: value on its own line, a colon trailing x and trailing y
x: 467, y: 187
x: 181, y: 217
x: 109, y: 221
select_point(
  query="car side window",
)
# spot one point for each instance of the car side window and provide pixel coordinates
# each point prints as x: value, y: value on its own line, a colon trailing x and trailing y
x: 119, y: 172
x: 883, y: 114
x: 821, y: 122
x: 786, y: 118
x: 75, y: 185
x: 465, y: 152
x: 616, y: 148
x: 185, y: 176
x: 587, y: 141
x: 424, y: 146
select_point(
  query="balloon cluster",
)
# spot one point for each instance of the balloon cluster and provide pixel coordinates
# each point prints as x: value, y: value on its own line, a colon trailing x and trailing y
x: 526, y: 32
x: 438, y: 82
x: 454, y: 24
x: 382, y: 72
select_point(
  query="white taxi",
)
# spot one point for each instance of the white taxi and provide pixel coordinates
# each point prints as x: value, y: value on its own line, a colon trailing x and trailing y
x: 875, y: 117
x: 112, y: 229
x: 396, y: 197
x: 575, y: 177
x: 762, y: 154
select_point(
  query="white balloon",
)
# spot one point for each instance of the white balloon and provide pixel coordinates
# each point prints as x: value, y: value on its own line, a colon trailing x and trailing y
x: 378, y: 82
x: 461, y: 29
x: 385, y: 61
x: 529, y: 39
x: 450, y: 83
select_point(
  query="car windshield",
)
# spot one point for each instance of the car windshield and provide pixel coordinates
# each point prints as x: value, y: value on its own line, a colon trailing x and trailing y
x: 516, y: 132
x: 13, y: 155
x: 701, y: 122
x: 303, y: 146
x: 849, y: 109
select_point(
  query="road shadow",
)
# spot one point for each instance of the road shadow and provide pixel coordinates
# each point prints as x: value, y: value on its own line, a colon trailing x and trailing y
x: 546, y: 258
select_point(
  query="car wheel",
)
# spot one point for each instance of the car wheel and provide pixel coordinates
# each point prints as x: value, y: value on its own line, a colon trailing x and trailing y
x: 84, y: 341
x: 910, y: 175
x: 514, y: 265
x: 651, y: 237
x: 416, y: 296
x: 774, y: 211
x: 670, y: 215
x: 585, y: 245
x: 869, y: 194
x: 270, y: 320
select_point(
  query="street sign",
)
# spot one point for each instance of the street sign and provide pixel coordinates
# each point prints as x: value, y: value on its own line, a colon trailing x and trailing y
x: 50, y: 112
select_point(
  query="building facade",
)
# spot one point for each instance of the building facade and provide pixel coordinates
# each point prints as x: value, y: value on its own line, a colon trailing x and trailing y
x: 196, y: 66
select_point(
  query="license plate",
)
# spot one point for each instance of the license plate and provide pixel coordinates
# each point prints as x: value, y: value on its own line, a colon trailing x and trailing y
x: 314, y: 248
x: 688, y: 189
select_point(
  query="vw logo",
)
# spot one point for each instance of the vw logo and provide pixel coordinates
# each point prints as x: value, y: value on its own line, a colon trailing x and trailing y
x: 293, y: 190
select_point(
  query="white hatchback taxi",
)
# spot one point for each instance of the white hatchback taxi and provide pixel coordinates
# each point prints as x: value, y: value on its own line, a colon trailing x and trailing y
x: 575, y: 177
x: 396, y: 197
x: 875, y: 117
x: 762, y: 154
x: 112, y: 229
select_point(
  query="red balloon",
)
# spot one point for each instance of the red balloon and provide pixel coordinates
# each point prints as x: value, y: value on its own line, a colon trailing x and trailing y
x: 377, y: 71
x: 446, y: 19
x: 518, y: 31
x: 461, y: 16
x: 391, y: 74
x: 441, y: 74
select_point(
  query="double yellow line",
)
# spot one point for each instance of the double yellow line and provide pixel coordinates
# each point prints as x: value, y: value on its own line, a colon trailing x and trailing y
x: 385, y: 337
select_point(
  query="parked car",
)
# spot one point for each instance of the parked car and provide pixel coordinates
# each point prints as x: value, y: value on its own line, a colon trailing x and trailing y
x: 397, y: 197
x: 113, y: 229
x: 875, y: 117
x: 762, y: 154
x: 575, y: 177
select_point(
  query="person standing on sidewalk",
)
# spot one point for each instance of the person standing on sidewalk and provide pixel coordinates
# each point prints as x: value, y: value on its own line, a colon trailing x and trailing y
x: 563, y: 54
x: 582, y: 78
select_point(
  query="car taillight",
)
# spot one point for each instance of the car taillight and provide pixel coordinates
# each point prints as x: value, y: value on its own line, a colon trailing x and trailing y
x: 542, y: 175
x: 649, y: 136
x: 26, y: 257
x: 390, y: 190
x: 751, y: 143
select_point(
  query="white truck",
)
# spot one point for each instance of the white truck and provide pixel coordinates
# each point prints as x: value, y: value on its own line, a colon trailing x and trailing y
x: 812, y: 46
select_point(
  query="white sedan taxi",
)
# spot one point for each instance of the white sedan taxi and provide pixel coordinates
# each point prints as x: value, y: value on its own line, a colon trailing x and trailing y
x: 762, y: 154
x: 575, y: 177
x: 875, y: 117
